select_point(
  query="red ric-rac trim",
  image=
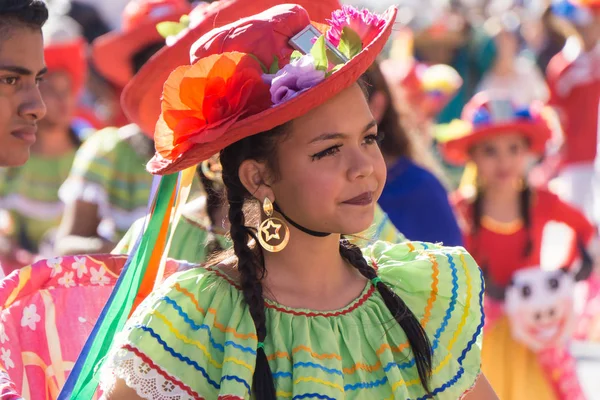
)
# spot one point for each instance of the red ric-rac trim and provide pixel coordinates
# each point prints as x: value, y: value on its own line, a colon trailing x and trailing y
x: 374, y: 264
x: 162, y: 373
x: 357, y: 304
x: 354, y: 306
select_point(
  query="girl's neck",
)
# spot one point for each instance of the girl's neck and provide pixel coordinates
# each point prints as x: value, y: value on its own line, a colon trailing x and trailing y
x: 502, y: 205
x: 310, y: 272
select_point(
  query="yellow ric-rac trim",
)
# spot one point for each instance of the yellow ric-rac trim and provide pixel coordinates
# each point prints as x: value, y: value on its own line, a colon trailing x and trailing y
x: 502, y: 228
x: 321, y: 381
x: 463, y: 321
x: 199, y: 345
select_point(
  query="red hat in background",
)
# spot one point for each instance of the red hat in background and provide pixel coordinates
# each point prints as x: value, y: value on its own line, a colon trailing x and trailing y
x: 112, y: 53
x: 226, y: 95
x: 484, y: 117
x: 141, y: 97
x: 65, y: 49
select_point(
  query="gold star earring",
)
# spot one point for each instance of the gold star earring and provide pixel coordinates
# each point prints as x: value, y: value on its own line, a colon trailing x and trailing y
x: 269, y: 232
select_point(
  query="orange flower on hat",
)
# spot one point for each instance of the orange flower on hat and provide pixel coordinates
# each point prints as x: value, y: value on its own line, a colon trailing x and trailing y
x: 201, y: 101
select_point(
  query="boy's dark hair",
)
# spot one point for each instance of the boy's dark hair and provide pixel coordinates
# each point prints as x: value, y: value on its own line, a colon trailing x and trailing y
x: 31, y: 13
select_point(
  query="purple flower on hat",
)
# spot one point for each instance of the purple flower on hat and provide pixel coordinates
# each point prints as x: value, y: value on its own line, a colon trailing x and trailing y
x: 365, y: 23
x: 296, y: 77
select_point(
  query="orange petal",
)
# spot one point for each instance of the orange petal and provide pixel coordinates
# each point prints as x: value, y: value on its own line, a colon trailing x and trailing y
x: 172, y: 117
x: 170, y: 97
x: 163, y: 139
x: 226, y: 65
x: 192, y: 92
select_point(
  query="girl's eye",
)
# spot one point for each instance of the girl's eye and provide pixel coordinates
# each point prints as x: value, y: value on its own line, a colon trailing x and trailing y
x: 489, y: 151
x: 374, y: 138
x: 328, y: 152
x: 514, y: 149
x: 39, y: 80
x: 10, y: 80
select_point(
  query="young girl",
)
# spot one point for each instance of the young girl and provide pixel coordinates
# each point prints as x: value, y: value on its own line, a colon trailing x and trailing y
x: 30, y: 193
x: 203, y: 221
x: 504, y: 220
x: 293, y: 310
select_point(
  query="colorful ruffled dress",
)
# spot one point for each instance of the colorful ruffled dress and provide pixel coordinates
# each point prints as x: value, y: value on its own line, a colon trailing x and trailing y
x: 109, y: 170
x: 194, y: 338
x: 499, y: 248
x: 30, y: 195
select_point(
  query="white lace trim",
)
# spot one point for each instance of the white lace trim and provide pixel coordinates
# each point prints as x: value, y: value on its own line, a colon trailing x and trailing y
x: 139, y: 376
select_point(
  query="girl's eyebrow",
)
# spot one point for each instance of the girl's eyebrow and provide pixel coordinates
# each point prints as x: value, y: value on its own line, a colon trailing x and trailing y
x: 330, y: 136
x: 21, y: 70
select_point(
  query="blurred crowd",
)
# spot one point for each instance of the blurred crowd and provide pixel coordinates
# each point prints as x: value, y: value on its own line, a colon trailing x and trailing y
x: 461, y: 84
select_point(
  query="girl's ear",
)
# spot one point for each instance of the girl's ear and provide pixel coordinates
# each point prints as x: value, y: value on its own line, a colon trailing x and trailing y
x: 256, y: 178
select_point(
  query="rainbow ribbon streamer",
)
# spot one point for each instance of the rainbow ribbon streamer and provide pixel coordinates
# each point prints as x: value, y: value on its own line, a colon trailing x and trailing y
x: 142, y: 271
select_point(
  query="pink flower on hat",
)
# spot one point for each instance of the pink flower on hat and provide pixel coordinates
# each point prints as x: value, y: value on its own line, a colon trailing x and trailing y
x: 365, y: 23
x: 297, y: 76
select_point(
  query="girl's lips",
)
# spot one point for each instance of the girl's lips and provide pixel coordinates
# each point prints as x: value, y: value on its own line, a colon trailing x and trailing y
x: 28, y: 134
x: 362, y: 200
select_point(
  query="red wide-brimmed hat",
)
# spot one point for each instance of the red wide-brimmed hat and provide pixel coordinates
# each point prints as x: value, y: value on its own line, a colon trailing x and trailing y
x: 65, y: 49
x: 246, y: 78
x: 484, y: 117
x: 112, y: 53
x: 141, y: 97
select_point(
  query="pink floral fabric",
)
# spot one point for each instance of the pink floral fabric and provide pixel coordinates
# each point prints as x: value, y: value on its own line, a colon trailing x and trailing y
x: 47, y: 311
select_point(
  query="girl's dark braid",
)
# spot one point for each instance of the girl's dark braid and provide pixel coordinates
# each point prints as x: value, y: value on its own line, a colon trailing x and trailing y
x: 419, y: 342
x: 251, y: 269
x: 214, y: 201
x: 526, y: 215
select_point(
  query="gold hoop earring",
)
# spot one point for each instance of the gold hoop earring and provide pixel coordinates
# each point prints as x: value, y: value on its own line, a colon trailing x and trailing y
x: 275, y: 225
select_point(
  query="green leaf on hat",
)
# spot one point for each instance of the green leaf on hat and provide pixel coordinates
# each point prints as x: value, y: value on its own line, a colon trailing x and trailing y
x: 319, y: 53
x: 263, y: 66
x: 350, y: 43
x: 296, y: 55
x: 335, y: 69
x: 169, y: 28
x: 185, y: 20
x: 274, y: 66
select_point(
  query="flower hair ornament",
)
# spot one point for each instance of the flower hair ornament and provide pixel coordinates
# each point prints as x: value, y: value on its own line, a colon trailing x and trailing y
x: 245, y: 78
